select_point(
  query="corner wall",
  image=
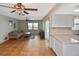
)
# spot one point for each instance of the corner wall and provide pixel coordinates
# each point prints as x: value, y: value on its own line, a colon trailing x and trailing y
x: 5, y: 27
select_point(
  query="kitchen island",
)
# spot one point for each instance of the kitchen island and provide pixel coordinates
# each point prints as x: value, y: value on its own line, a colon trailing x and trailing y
x: 64, y: 44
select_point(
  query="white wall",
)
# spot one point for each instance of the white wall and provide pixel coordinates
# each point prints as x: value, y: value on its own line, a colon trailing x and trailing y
x: 5, y: 27
x: 62, y: 20
x: 22, y: 25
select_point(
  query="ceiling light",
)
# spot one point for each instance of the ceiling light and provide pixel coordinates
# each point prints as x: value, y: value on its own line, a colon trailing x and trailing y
x: 77, y: 10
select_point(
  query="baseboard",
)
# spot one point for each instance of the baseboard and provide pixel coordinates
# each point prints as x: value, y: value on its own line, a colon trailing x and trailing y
x: 53, y: 51
x: 2, y: 41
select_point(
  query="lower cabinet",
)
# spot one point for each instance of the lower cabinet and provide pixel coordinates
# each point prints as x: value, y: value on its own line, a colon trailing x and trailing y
x: 70, y: 49
x: 52, y: 42
x: 58, y: 48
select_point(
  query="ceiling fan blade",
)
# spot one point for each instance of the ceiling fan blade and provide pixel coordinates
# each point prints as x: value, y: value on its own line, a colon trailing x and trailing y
x: 31, y: 9
x: 6, y: 6
x: 13, y: 11
x: 26, y: 12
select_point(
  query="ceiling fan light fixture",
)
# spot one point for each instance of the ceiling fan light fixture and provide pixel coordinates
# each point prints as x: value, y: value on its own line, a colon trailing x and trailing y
x: 20, y: 9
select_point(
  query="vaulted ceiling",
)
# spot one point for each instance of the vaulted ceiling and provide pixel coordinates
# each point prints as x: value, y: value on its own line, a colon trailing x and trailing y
x: 43, y: 9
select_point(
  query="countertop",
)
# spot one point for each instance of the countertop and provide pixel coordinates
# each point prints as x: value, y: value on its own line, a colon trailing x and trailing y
x: 65, y: 36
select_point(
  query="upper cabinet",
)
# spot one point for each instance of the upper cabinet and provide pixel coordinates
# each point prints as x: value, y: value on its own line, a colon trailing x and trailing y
x: 62, y: 20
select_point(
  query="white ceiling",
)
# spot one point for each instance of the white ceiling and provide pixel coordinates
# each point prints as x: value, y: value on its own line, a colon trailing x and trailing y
x: 67, y: 8
x: 43, y: 9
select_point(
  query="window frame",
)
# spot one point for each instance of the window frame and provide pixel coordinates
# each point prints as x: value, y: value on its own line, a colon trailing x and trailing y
x: 76, y: 24
x: 28, y: 26
x: 33, y: 26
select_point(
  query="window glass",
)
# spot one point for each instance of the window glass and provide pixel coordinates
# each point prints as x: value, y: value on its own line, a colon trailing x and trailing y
x: 30, y: 26
x: 76, y: 24
x: 35, y: 26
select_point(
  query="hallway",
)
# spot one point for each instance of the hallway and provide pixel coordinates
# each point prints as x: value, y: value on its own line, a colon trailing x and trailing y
x: 32, y: 46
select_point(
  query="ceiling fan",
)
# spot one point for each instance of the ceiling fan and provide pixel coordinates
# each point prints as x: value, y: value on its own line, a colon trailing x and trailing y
x: 20, y: 9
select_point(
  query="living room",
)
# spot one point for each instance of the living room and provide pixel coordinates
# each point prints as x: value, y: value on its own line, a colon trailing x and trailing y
x: 48, y: 30
x: 39, y: 29
x: 24, y: 27
x: 11, y: 23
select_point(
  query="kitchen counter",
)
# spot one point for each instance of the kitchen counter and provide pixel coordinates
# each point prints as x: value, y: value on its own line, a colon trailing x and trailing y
x: 64, y: 41
x: 65, y: 44
x: 64, y: 34
x: 66, y: 38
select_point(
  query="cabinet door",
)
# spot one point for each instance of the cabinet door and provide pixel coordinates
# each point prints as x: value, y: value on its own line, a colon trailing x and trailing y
x: 58, y: 48
x: 50, y: 42
x: 71, y: 50
x: 53, y: 43
x: 63, y: 20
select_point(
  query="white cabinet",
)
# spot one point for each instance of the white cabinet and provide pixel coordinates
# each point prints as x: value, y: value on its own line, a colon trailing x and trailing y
x: 50, y: 42
x: 57, y: 46
x: 62, y: 20
x: 53, y: 42
x: 69, y: 49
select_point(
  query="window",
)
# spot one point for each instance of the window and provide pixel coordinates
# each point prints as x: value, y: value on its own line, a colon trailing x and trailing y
x: 29, y: 26
x: 33, y: 26
x: 76, y: 24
